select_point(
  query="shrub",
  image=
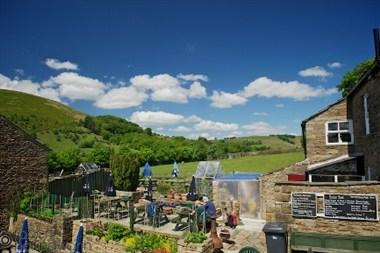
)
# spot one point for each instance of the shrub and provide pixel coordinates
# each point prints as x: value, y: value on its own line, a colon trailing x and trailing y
x: 116, y: 232
x: 196, y: 237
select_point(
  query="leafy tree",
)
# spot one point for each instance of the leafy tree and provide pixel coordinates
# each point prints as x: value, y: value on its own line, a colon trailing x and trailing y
x: 90, y: 124
x: 125, y: 167
x: 53, y: 162
x: 100, y: 155
x: 148, y: 131
x: 69, y: 160
x: 351, y: 78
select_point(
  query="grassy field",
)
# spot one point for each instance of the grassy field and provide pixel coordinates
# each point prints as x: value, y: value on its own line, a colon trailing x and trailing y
x: 258, y: 163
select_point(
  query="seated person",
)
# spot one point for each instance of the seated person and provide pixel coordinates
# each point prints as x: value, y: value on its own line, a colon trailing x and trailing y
x: 209, y: 208
x: 231, y: 219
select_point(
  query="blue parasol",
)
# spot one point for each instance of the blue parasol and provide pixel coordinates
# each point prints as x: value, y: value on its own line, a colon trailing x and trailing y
x: 22, y: 246
x: 110, y: 189
x: 175, y: 170
x: 87, y: 186
x: 149, y: 192
x: 147, y: 170
x: 192, y: 194
x: 79, y: 241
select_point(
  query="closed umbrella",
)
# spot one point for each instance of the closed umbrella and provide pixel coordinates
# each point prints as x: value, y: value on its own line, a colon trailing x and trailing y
x: 22, y: 246
x: 149, y: 195
x: 147, y: 170
x: 79, y: 241
x: 192, y: 194
x: 110, y: 189
x: 175, y: 170
x: 86, y: 185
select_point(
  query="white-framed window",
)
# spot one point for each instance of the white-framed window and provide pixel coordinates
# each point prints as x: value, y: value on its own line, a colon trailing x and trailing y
x: 339, y: 132
x: 366, y: 115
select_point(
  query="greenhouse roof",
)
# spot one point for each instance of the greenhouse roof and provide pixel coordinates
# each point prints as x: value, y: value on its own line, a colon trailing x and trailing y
x: 240, y: 176
x: 209, y: 169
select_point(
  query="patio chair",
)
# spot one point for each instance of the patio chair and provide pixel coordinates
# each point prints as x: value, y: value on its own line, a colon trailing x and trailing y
x: 183, y: 219
x: 248, y: 250
x: 123, y: 210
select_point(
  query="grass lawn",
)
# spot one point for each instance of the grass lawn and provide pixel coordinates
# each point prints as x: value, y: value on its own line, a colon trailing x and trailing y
x: 258, y: 163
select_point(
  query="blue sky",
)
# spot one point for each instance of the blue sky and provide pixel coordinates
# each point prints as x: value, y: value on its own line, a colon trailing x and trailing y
x: 192, y: 68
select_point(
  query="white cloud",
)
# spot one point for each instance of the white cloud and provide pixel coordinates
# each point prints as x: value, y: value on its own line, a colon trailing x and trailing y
x: 157, y: 118
x: 260, y: 114
x: 279, y: 105
x: 197, y: 90
x: 221, y: 99
x: 74, y: 86
x: 192, y: 119
x: 123, y: 97
x: 175, y: 94
x: 261, y: 128
x: 208, y: 125
x: 166, y: 88
x: 265, y: 87
x: 28, y: 86
x: 161, y: 81
x: 182, y: 129
x: 316, y: 71
x: 57, y: 64
x: 193, y: 77
x: 334, y: 65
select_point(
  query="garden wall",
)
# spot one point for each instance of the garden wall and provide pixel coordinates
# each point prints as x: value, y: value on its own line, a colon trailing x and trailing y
x: 282, y: 209
x: 43, y: 234
x: 23, y: 167
x: 267, y: 185
x: 94, y: 244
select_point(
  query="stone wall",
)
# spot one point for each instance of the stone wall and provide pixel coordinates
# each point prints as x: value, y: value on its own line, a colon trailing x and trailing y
x: 42, y: 234
x: 368, y: 145
x: 267, y: 184
x: 205, y: 247
x: 316, y: 147
x: 23, y: 167
x: 282, y: 196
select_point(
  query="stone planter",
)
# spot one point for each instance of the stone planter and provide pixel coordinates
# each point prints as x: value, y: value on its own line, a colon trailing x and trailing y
x: 205, y: 247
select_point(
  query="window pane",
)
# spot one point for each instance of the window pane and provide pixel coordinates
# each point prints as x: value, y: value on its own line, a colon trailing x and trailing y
x: 345, y: 137
x: 333, y: 126
x: 344, y: 125
x: 333, y: 138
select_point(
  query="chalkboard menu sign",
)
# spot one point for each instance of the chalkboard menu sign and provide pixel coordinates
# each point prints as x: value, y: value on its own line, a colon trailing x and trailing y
x: 352, y: 207
x: 304, y: 204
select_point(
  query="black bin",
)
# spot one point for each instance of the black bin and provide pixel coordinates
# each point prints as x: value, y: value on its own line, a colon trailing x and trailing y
x: 276, y: 235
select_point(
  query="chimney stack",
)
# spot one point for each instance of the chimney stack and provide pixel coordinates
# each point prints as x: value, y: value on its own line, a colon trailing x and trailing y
x: 376, y: 36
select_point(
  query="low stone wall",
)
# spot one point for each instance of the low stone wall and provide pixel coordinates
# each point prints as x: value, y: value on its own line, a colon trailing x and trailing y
x: 282, y: 208
x: 44, y: 234
x: 267, y: 185
x: 94, y: 244
x: 205, y: 247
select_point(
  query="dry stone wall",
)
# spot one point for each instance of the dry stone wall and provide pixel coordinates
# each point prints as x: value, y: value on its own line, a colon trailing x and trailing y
x: 267, y: 185
x: 282, y: 209
x: 53, y: 235
x: 23, y: 167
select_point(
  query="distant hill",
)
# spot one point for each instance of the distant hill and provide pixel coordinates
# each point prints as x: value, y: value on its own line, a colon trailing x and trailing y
x: 64, y: 129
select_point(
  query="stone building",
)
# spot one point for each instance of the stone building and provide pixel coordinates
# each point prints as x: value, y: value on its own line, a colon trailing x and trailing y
x: 344, y: 138
x: 23, y: 167
x: 364, y: 110
x: 342, y: 143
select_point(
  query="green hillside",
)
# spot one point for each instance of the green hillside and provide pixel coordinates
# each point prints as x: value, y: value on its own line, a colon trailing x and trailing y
x: 73, y: 136
x: 36, y: 114
x: 259, y: 163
